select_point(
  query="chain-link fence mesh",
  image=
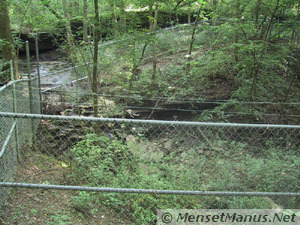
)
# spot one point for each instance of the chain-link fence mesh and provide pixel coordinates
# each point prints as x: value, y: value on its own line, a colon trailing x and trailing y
x: 166, y: 155
x: 159, y: 155
x: 14, y: 134
x: 206, y: 94
x: 8, y: 160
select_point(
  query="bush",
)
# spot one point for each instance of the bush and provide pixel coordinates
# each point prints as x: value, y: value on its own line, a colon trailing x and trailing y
x: 227, y: 166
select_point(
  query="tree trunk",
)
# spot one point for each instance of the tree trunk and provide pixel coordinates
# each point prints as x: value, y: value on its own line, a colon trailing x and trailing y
x: 8, y: 51
x: 153, y: 27
x: 189, y: 16
x: 85, y: 25
x: 188, y: 65
x: 135, y: 64
x: 95, y: 58
x: 215, y: 5
x: 262, y: 27
x: 123, y: 16
x: 257, y: 10
x: 71, y: 42
x: 268, y: 30
x: 47, y: 5
x: 236, y: 30
x: 114, y: 19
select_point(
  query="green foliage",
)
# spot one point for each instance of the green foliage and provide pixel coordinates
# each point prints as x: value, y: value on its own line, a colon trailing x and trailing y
x: 101, y: 161
x: 61, y: 219
x: 230, y: 166
x: 255, y: 53
x: 101, y: 157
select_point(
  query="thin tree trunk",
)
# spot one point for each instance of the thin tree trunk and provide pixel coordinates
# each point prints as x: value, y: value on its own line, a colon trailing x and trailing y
x: 73, y: 48
x: 8, y: 51
x: 123, y: 16
x: 236, y: 30
x: 95, y: 58
x: 114, y: 18
x: 215, y: 5
x: 285, y: 98
x: 45, y: 3
x: 71, y: 42
x: 85, y: 25
x: 255, y: 72
x: 189, y: 58
x: 262, y: 27
x: 268, y: 30
x: 136, y: 64
x: 297, y: 35
x: 292, y: 36
x: 21, y: 22
x: 286, y: 95
x: 257, y: 10
x: 153, y: 27
x: 151, y: 18
x: 134, y: 68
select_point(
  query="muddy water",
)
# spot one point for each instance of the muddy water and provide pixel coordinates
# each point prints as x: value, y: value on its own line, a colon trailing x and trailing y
x: 54, y: 73
x: 54, y: 69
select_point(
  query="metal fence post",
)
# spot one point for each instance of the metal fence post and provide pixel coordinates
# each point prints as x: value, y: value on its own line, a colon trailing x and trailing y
x: 15, y: 110
x: 30, y: 89
x: 38, y: 69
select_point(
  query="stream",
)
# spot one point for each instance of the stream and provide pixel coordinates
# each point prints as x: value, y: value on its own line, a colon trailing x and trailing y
x: 54, y: 69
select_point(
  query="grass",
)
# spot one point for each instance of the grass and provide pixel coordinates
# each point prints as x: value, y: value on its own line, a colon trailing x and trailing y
x: 47, y: 207
x: 145, y: 163
x: 226, y: 166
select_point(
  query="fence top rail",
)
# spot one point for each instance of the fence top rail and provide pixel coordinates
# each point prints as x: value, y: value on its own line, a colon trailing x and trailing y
x: 4, y: 146
x: 12, y: 83
x: 145, y: 191
x: 65, y: 84
x: 134, y: 121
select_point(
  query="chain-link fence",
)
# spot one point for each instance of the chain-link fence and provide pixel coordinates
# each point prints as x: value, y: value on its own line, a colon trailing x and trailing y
x: 155, y: 157
x: 167, y: 164
x: 14, y: 134
x: 117, y: 71
x: 213, y: 91
x: 146, y: 156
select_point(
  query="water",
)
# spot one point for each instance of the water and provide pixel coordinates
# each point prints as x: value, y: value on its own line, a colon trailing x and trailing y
x: 54, y: 69
x: 54, y: 73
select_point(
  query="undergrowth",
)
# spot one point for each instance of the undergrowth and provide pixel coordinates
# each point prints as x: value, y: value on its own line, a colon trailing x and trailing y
x: 106, y: 162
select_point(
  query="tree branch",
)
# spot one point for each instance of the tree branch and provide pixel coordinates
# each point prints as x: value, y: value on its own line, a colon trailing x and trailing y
x: 51, y: 9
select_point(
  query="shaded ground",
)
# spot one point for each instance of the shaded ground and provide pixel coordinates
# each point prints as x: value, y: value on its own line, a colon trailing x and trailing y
x: 33, y: 206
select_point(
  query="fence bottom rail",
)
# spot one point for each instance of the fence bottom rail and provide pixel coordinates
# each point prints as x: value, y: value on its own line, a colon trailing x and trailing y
x: 145, y: 191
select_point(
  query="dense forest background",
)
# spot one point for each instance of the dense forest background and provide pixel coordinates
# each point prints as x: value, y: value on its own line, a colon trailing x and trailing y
x: 236, y: 51
x: 214, y: 60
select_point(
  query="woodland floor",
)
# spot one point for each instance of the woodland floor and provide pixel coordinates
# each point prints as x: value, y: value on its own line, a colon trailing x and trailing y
x: 47, y: 207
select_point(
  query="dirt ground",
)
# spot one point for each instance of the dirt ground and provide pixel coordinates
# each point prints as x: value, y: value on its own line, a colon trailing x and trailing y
x: 43, y: 207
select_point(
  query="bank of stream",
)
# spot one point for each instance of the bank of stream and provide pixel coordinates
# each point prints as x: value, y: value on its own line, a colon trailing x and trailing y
x: 57, y: 74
